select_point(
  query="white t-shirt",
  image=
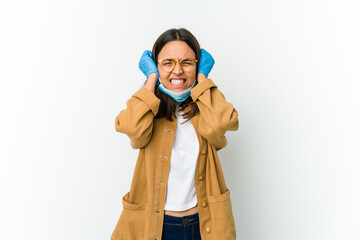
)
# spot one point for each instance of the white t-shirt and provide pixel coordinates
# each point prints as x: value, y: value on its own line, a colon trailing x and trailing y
x: 181, y: 194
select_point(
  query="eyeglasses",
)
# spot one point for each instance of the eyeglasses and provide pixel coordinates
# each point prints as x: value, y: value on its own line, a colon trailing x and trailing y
x: 186, y: 64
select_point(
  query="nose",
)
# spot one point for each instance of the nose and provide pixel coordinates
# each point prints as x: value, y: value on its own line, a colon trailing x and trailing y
x: 178, y: 69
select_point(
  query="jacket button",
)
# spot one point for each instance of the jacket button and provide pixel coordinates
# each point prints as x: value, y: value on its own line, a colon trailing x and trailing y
x: 204, y: 204
x: 208, y: 230
x: 203, y: 151
x: 201, y: 177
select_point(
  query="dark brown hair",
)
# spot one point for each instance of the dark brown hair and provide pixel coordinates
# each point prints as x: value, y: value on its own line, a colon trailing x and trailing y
x: 168, y: 105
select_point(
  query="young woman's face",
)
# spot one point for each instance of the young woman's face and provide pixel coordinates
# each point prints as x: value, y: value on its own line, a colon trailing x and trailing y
x: 177, y: 80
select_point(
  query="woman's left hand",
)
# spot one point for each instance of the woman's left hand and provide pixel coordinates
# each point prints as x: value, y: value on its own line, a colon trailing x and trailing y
x: 206, y: 62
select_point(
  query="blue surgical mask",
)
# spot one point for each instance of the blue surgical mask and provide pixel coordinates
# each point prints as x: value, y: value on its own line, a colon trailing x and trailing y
x: 177, y: 96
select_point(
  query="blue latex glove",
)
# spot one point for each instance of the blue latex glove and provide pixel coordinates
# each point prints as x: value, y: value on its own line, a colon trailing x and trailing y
x: 206, y: 62
x: 147, y: 65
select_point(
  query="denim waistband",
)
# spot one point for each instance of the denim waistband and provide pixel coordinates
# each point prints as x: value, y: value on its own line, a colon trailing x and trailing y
x: 185, y: 220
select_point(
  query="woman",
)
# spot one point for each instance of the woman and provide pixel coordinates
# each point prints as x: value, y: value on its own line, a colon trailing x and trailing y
x: 178, y: 120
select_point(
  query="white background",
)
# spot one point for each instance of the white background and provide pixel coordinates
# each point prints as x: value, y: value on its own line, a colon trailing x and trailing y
x: 290, y: 68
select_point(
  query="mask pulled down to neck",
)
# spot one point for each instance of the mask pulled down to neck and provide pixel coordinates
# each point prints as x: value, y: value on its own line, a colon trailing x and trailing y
x: 177, y: 96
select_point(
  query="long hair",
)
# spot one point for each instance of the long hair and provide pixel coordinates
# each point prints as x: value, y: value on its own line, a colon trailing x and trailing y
x: 168, y: 105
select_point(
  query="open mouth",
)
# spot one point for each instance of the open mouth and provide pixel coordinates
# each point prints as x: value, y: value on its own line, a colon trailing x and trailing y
x: 178, y: 82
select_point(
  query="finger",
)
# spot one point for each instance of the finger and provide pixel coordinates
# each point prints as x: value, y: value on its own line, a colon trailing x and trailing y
x: 148, y: 52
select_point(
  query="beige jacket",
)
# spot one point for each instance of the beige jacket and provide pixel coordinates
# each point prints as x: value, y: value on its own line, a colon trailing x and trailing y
x: 143, y: 206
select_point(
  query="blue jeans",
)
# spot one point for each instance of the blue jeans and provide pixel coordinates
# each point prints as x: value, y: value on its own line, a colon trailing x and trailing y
x: 181, y: 228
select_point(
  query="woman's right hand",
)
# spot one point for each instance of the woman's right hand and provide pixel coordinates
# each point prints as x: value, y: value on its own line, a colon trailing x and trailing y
x: 149, y: 68
x: 147, y: 64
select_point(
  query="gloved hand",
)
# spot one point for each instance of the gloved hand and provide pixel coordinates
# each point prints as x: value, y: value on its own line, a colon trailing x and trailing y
x: 206, y: 62
x: 147, y: 65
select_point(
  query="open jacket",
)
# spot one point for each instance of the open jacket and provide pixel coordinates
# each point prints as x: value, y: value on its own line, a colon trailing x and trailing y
x: 143, y: 206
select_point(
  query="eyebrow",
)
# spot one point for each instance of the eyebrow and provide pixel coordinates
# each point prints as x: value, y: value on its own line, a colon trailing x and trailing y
x: 175, y: 59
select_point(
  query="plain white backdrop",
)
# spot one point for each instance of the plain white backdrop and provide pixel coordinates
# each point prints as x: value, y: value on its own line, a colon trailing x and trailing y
x: 290, y: 68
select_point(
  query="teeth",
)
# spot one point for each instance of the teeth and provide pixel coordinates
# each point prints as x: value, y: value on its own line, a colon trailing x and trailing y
x: 177, y: 82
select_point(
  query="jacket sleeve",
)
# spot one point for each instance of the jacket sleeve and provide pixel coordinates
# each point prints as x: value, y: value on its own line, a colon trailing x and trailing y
x: 136, y: 121
x: 216, y: 114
